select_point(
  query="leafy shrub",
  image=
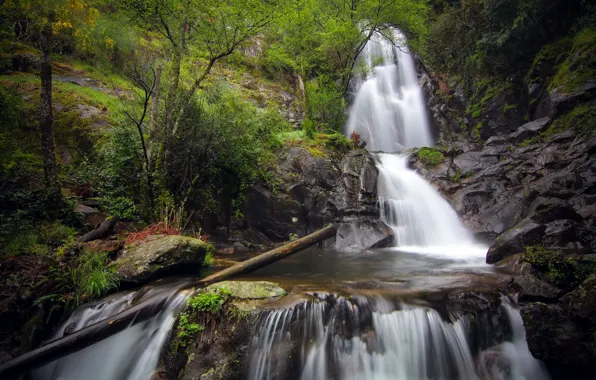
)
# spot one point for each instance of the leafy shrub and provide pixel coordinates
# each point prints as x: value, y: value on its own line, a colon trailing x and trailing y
x: 210, y: 302
x: 26, y: 242
x: 276, y: 62
x: 122, y: 207
x: 430, y: 156
x: 186, y: 330
x: 85, y: 278
x: 325, y: 104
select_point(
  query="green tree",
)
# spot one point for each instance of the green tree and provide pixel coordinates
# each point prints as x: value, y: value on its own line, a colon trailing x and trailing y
x: 45, y: 19
x: 199, y: 31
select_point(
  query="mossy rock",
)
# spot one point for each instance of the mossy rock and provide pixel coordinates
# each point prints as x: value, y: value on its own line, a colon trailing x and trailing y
x: 249, y: 289
x: 161, y: 255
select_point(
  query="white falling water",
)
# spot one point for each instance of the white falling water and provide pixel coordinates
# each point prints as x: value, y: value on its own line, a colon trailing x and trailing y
x: 422, y: 221
x: 132, y: 354
x: 408, y: 344
x: 389, y: 111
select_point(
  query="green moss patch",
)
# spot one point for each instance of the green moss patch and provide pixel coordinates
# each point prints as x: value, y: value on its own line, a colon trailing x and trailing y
x: 430, y: 156
x: 562, y: 271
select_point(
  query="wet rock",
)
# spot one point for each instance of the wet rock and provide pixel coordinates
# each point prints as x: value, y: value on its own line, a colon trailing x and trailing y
x: 513, y: 240
x: 582, y: 301
x: 560, y: 232
x: 92, y: 216
x: 363, y: 233
x: 560, y: 101
x: 531, y: 288
x: 515, y: 264
x: 109, y: 246
x: 546, y: 210
x: 530, y: 129
x: 554, y: 337
x: 221, y: 350
x: 160, y: 255
x: 275, y: 216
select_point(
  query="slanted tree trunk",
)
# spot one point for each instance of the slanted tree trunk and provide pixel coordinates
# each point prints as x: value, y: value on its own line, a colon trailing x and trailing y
x: 108, y: 327
x: 271, y: 256
x: 46, y: 116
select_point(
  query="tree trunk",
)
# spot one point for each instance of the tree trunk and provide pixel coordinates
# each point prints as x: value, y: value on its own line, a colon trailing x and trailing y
x: 104, y: 229
x: 46, y: 117
x: 271, y: 256
x: 108, y: 327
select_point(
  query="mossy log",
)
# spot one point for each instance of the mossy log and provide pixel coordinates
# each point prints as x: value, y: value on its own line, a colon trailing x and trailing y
x: 108, y: 327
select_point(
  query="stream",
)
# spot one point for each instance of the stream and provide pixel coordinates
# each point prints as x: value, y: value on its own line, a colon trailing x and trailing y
x: 355, y: 326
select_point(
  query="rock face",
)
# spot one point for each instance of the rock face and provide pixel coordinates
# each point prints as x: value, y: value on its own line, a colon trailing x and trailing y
x: 161, y: 255
x: 315, y: 190
x: 220, y: 353
x: 522, y: 180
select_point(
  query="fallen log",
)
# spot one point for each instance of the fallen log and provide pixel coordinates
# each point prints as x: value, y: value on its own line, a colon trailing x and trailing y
x: 108, y: 327
x: 104, y: 229
x: 270, y: 256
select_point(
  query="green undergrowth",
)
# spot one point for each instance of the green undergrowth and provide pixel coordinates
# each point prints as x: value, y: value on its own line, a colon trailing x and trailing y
x: 458, y: 176
x: 80, y: 279
x: 200, y: 308
x: 430, y: 156
x: 562, y: 271
x: 580, y: 64
x: 29, y: 84
x: 581, y: 119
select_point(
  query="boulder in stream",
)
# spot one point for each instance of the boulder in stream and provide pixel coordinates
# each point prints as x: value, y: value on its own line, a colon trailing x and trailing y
x: 161, y: 255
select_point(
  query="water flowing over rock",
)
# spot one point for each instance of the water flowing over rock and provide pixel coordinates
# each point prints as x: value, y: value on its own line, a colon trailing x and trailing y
x: 132, y: 354
x: 371, y: 339
x: 389, y: 112
x: 390, y: 115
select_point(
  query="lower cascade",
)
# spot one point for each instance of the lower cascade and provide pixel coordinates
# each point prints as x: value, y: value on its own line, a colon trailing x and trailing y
x: 371, y: 340
x: 132, y: 354
x: 422, y: 221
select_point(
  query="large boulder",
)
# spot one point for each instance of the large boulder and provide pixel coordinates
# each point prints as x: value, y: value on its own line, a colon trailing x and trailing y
x: 513, y: 240
x: 160, y: 255
x: 363, y: 233
x: 554, y: 337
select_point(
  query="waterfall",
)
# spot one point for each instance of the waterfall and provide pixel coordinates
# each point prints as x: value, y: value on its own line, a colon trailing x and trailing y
x: 343, y: 339
x: 132, y: 354
x: 389, y: 111
x: 422, y: 221
x: 389, y: 114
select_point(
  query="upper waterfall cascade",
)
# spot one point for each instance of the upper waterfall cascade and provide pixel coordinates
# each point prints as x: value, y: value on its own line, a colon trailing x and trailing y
x: 389, y: 114
x: 389, y: 110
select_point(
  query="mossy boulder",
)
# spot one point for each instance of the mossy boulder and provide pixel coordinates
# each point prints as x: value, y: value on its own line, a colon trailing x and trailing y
x: 249, y: 289
x: 161, y: 255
